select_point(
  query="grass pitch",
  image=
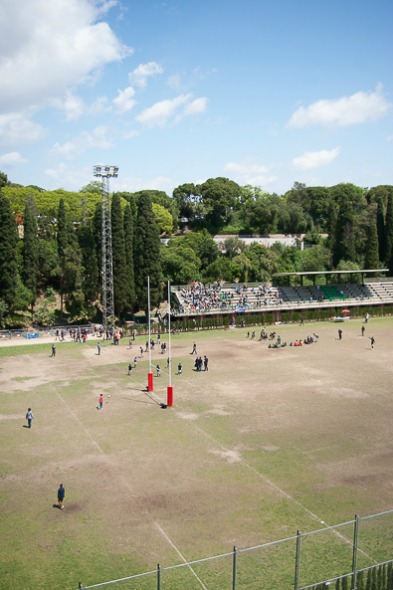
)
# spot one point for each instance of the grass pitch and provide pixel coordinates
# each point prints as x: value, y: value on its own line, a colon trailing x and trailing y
x: 267, y: 442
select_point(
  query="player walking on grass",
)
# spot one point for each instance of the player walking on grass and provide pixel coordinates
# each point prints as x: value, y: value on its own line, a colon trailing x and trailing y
x: 372, y: 341
x: 29, y: 418
x: 60, y: 496
x: 53, y: 350
x: 100, y: 401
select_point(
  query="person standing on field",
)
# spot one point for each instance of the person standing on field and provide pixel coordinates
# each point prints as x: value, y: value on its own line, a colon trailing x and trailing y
x: 29, y: 418
x: 60, y: 496
x: 372, y: 341
x: 100, y: 401
x: 53, y: 350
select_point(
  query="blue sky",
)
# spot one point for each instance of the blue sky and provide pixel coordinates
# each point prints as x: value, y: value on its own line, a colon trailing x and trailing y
x: 264, y: 92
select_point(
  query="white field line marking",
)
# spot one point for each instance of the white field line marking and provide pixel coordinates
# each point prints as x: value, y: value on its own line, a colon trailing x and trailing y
x: 125, y: 483
x: 285, y: 494
x: 180, y: 555
x: 82, y: 426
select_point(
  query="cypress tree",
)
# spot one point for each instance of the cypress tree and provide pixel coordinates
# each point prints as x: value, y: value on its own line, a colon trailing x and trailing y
x: 8, y: 253
x: 119, y: 257
x: 344, y: 246
x: 371, y: 259
x: 147, y: 255
x: 129, y: 251
x: 388, y: 242
x: 62, y: 243
x: 89, y: 263
x: 30, y: 251
x: 381, y: 229
x: 70, y: 264
x: 97, y: 234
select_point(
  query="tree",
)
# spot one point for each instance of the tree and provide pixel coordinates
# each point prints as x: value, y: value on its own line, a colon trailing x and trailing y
x: 8, y: 253
x: 119, y: 257
x: 129, y: 252
x: 63, y: 231
x: 30, y: 251
x: 344, y: 246
x: 180, y: 263
x: 3, y: 179
x: 147, y: 255
x: 388, y: 242
x: 204, y: 246
x: 95, y: 186
x: 371, y: 259
x: 158, y: 198
x: 381, y: 233
x: 220, y: 196
x: 189, y: 200
x: 233, y: 246
x: 241, y: 266
x: 315, y: 258
x: 261, y: 213
x: 163, y: 218
x: 70, y: 264
x: 89, y: 263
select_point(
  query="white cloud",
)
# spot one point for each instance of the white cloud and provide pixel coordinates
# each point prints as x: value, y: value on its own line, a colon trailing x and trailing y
x: 134, y: 184
x: 347, y: 110
x: 247, y: 173
x: 98, y: 138
x: 11, y: 159
x: 75, y: 177
x: 179, y: 107
x: 124, y: 101
x: 17, y: 129
x: 175, y: 82
x: 315, y: 159
x: 47, y: 47
x: 72, y: 105
x: 196, y: 106
x: 161, y: 111
x: 100, y: 105
x: 140, y: 75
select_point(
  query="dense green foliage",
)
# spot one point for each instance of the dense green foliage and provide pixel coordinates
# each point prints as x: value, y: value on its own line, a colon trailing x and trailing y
x: 59, y: 246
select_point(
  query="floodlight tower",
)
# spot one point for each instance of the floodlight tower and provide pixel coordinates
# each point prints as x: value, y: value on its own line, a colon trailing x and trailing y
x: 108, y: 311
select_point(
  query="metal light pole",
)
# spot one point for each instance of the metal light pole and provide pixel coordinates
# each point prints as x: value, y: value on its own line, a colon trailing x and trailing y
x: 108, y: 312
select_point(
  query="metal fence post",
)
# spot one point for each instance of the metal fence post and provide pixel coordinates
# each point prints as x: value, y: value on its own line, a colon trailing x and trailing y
x: 297, y: 560
x: 355, y: 551
x: 234, y: 568
x: 158, y: 576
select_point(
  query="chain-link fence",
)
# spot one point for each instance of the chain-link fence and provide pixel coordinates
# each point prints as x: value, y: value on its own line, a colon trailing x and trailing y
x: 349, y: 553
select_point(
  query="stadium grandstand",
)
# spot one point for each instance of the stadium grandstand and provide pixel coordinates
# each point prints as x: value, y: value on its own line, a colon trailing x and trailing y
x: 327, y: 293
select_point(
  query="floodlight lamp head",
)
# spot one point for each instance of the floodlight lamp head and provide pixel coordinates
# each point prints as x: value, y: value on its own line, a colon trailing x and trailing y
x: 106, y: 171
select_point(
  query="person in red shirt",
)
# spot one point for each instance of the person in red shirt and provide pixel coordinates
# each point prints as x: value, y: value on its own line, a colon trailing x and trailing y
x: 100, y: 401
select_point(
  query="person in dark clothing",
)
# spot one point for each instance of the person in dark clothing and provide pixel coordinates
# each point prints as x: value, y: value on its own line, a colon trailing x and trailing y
x: 205, y: 363
x: 60, y: 496
x: 53, y: 350
x: 340, y: 334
